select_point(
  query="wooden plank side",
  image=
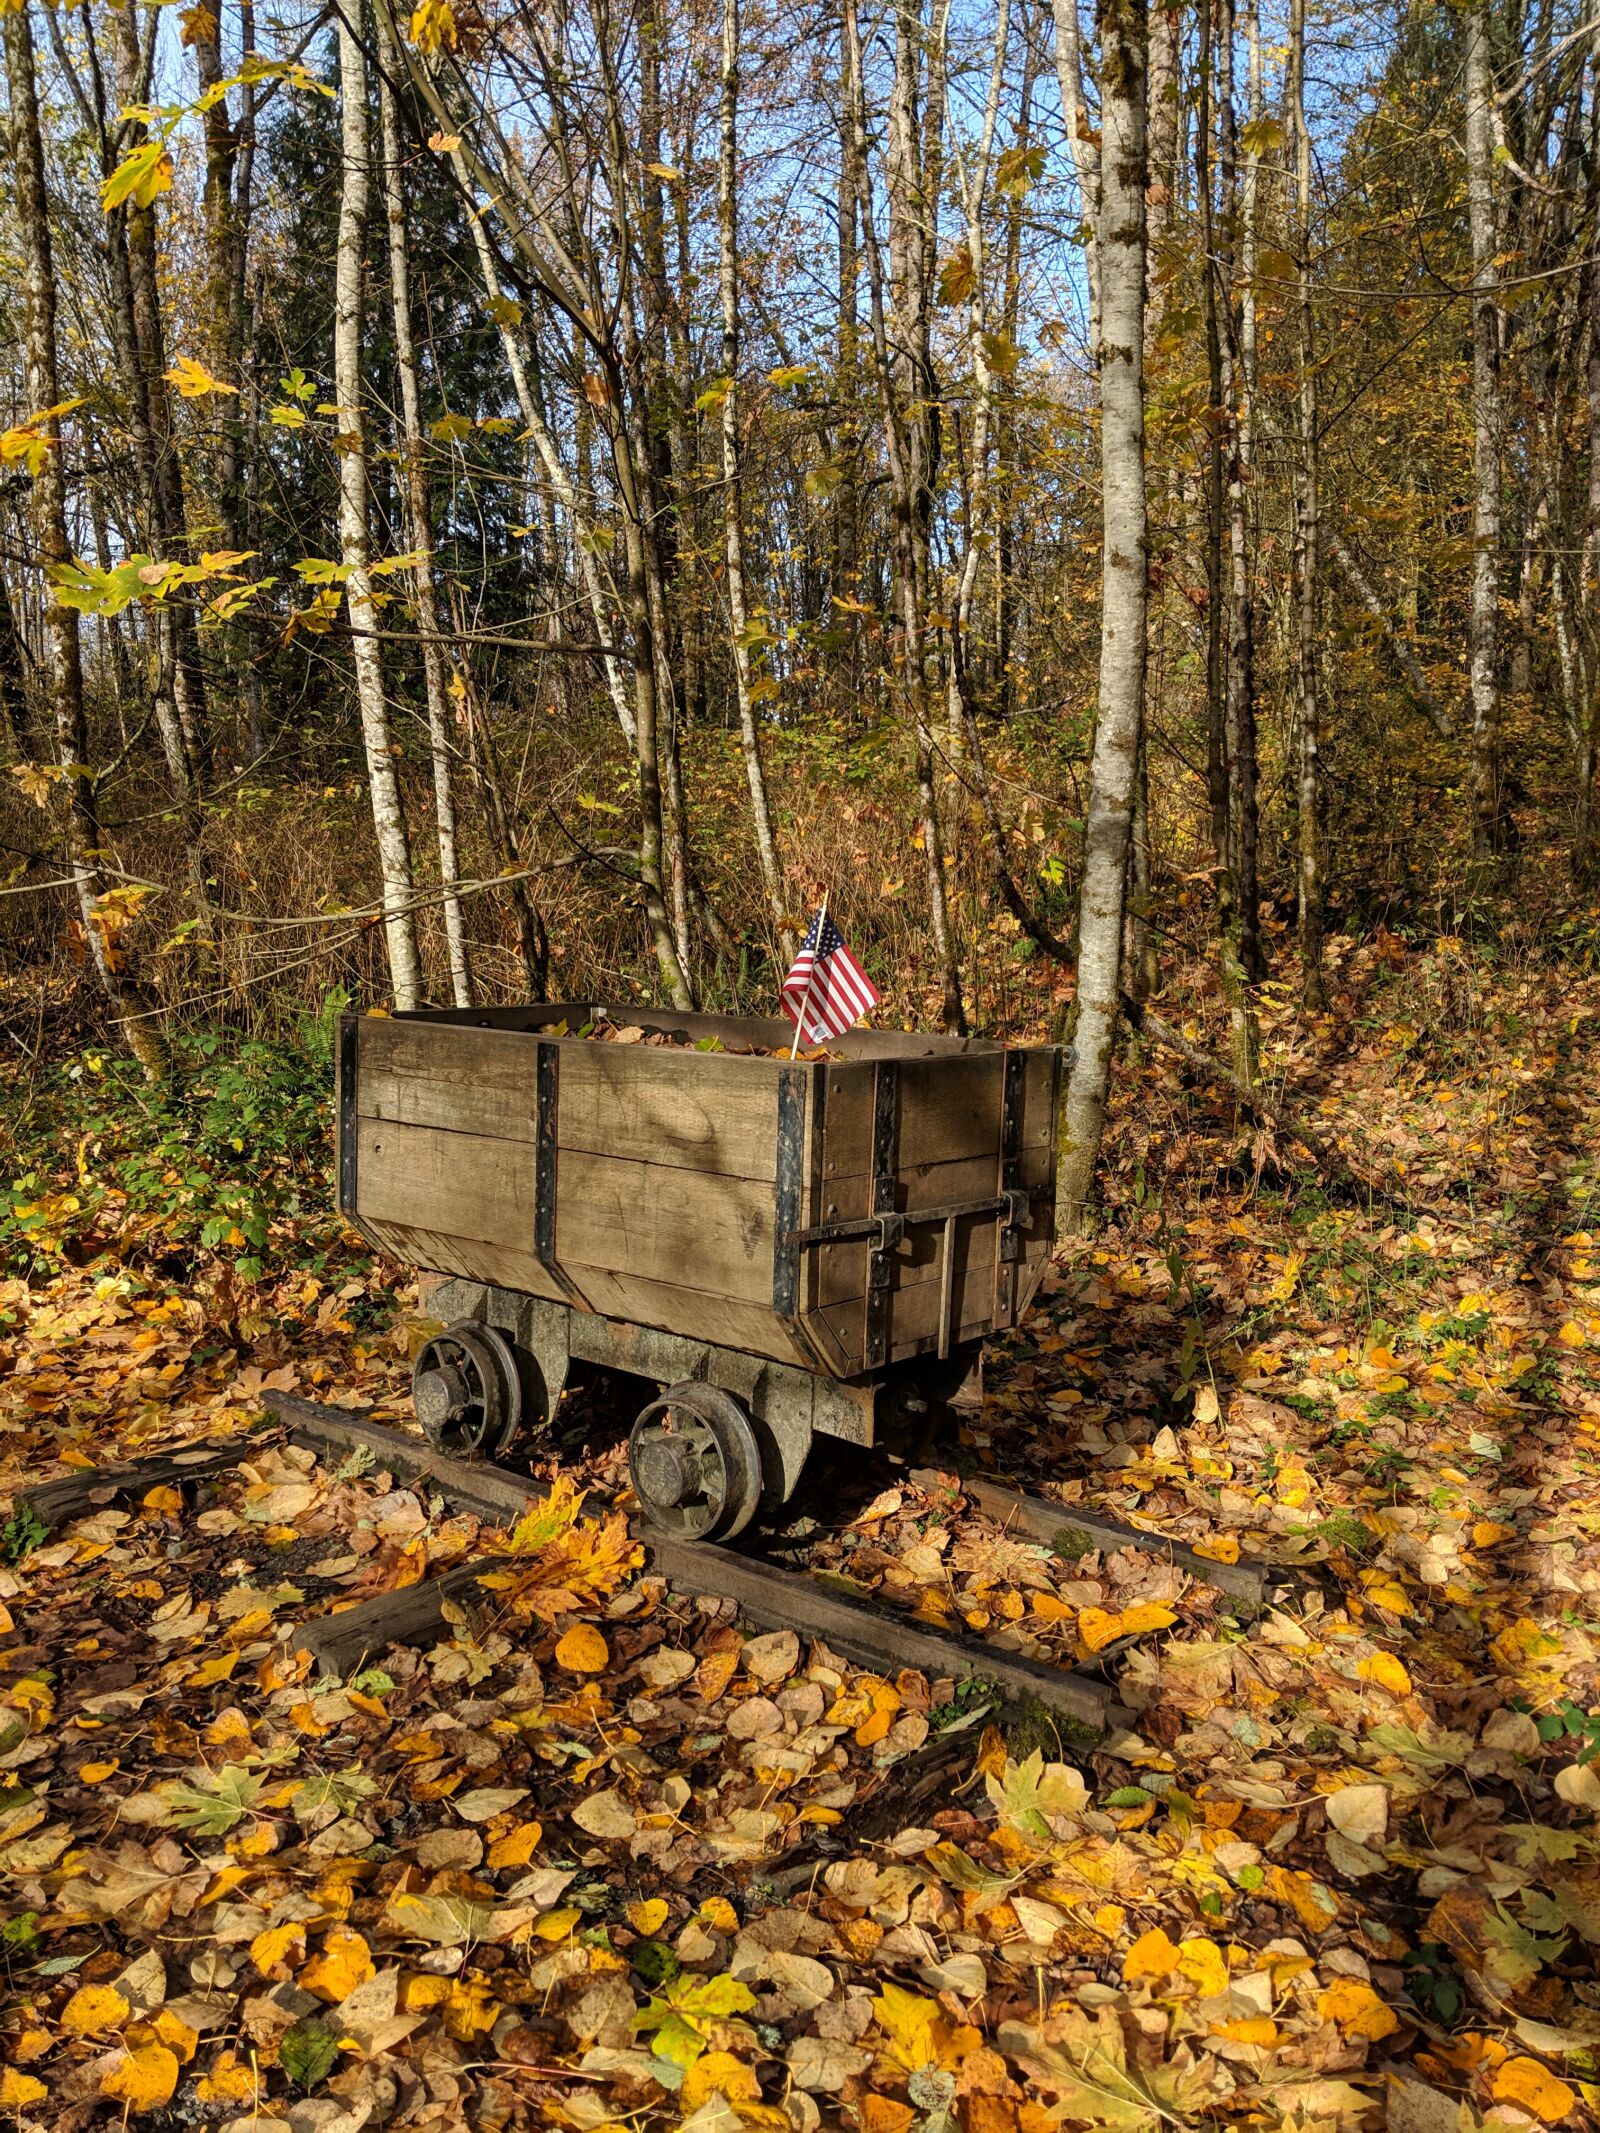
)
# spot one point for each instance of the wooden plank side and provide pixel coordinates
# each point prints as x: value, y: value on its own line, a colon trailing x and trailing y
x: 694, y: 1110
x: 497, y: 1264
x: 672, y: 1308
x: 455, y: 1184
x: 950, y: 1111
x: 710, y: 1233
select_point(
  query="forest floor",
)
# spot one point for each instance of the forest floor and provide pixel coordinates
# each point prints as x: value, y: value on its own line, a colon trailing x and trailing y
x: 596, y: 1859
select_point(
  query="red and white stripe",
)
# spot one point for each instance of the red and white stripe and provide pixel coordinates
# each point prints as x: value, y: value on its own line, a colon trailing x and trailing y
x: 826, y: 991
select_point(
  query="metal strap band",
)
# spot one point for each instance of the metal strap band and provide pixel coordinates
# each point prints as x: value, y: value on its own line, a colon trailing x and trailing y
x: 349, y: 1110
x: 546, y: 1148
x: 789, y: 1187
x: 880, y: 1253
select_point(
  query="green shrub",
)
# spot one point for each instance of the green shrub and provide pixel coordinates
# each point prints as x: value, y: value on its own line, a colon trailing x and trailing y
x: 236, y: 1145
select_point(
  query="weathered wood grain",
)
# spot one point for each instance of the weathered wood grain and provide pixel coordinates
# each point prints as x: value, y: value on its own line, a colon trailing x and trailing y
x: 663, y: 1224
x: 700, y: 1111
x: 92, y: 1488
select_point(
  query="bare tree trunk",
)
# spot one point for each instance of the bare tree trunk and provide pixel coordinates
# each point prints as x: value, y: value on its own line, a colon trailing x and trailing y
x: 738, y: 617
x: 1085, y: 147
x: 419, y: 521
x: 132, y: 1012
x: 1223, y: 625
x: 1400, y: 651
x: 572, y: 496
x: 1305, y: 569
x: 1124, y: 39
x: 1482, y: 624
x: 911, y: 427
x: 1584, y: 854
x: 388, y: 813
x: 1241, y: 188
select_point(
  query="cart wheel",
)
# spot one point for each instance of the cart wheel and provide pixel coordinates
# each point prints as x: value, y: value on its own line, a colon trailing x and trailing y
x: 473, y: 1392
x: 695, y: 1463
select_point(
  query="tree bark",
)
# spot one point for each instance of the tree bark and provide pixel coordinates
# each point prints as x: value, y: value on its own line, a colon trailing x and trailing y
x: 388, y: 811
x: 1124, y: 41
x: 133, y: 1013
x: 1308, y: 777
x: 732, y: 475
x: 1483, y: 617
x: 419, y: 521
x: 1084, y: 146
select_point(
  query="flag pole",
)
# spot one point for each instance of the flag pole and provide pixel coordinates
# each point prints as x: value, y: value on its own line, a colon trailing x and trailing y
x: 811, y: 979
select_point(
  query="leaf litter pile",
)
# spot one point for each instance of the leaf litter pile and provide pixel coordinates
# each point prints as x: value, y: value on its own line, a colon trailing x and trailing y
x: 598, y: 1857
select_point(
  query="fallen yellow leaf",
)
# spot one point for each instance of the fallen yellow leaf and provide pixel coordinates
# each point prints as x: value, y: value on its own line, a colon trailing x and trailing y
x: 1535, y: 2088
x: 1384, y: 1669
x: 1218, y: 1548
x: 648, y: 1917
x: 18, y: 2091
x: 1357, y: 2010
x: 344, y: 1963
x: 556, y: 1925
x: 518, y: 1846
x: 143, y: 2079
x: 228, y: 2082
x: 1152, y: 1955
x: 718, y: 2074
x: 278, y: 1944
x: 583, y: 1650
x: 93, y: 2008
x: 1205, y: 1965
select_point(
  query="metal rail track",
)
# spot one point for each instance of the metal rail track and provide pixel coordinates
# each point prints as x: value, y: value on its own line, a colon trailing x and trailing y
x: 766, y: 1594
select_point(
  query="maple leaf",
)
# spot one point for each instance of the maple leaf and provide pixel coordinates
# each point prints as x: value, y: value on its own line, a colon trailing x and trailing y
x: 139, y: 177
x: 214, y: 1807
x: 1029, y: 1793
x: 1082, y: 2060
x: 686, y: 2012
x: 193, y: 380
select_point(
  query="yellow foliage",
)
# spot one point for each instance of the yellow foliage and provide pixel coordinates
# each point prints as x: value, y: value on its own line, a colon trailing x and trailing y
x: 583, y: 1650
x: 718, y: 2074
x: 228, y: 2082
x: 143, y: 2078
x: 1357, y: 2009
x: 1534, y: 2088
x: 1387, y: 1672
x: 1152, y: 1955
x: 278, y: 1944
x: 344, y: 1963
x: 94, y: 2008
x: 917, y: 2028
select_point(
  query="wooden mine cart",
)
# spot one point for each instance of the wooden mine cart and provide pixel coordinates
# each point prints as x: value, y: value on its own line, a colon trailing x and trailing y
x: 784, y: 1248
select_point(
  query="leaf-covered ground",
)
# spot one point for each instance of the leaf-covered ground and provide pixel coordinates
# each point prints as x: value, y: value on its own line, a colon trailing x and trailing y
x: 599, y: 1858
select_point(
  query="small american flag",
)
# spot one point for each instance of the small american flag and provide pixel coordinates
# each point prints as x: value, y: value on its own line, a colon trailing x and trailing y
x: 826, y: 991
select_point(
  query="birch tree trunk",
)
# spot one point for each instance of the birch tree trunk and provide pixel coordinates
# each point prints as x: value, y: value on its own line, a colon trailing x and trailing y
x: 64, y: 670
x: 1308, y: 826
x: 1084, y: 146
x: 388, y: 813
x: 733, y: 530
x: 1124, y: 41
x: 1482, y: 623
x: 419, y: 521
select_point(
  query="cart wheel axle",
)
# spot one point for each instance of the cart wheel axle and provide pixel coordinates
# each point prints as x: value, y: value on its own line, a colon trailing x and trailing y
x: 695, y: 1463
x: 472, y: 1391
